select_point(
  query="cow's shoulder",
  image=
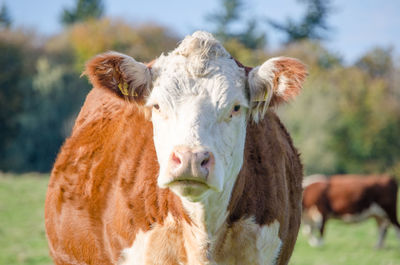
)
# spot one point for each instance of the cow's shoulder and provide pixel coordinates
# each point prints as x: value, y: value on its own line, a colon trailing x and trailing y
x: 269, y: 185
x: 246, y: 242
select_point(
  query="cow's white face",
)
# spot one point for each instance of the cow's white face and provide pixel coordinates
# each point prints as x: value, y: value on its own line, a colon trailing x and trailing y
x: 197, y: 114
x: 200, y: 100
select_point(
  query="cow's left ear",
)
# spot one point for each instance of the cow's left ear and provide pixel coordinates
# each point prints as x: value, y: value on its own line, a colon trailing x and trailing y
x: 121, y: 74
x: 275, y: 81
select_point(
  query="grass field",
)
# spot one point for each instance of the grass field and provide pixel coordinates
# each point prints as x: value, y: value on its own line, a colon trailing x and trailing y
x: 22, y: 234
x: 348, y: 244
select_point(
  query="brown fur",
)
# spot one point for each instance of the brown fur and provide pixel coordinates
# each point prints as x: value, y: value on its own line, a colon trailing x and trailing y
x: 263, y: 189
x: 103, y: 187
x: 295, y: 73
x: 104, y: 71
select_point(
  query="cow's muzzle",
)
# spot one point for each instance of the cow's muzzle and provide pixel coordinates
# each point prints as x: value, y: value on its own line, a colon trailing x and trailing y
x: 190, y: 166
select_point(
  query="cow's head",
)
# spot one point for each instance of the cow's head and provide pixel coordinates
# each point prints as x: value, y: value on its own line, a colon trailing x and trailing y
x: 200, y: 100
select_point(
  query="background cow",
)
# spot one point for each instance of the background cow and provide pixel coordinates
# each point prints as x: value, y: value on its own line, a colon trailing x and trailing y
x: 178, y: 162
x: 351, y: 198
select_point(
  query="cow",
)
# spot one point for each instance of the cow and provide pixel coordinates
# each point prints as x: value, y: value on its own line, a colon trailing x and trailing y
x: 351, y: 198
x: 180, y: 161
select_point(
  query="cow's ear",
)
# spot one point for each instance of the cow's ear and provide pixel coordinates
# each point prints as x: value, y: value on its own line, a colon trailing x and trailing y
x: 121, y: 74
x: 275, y: 81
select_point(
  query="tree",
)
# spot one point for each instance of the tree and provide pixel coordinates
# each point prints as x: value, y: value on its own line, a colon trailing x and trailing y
x: 5, y: 18
x: 143, y: 43
x: 378, y: 62
x: 84, y: 10
x: 229, y: 15
x: 47, y: 118
x: 18, y: 55
x: 312, y: 26
x: 346, y: 119
x: 41, y: 89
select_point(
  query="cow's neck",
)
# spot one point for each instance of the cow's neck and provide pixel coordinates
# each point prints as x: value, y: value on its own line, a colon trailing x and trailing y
x: 211, y: 212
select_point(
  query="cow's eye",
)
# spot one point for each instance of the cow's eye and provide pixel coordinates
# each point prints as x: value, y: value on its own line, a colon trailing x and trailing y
x: 156, y: 107
x: 235, y: 111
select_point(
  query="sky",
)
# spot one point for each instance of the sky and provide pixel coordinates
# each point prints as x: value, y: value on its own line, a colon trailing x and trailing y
x: 357, y: 25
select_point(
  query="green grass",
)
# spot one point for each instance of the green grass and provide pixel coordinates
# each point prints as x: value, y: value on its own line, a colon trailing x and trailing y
x: 23, y: 241
x: 349, y: 244
x: 22, y: 234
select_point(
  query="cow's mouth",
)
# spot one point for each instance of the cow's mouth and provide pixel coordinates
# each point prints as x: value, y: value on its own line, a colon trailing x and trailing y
x: 189, y: 181
x: 191, y: 188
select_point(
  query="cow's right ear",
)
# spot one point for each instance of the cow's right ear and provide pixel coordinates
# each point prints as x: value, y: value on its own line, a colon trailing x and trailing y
x: 121, y: 74
x: 277, y: 80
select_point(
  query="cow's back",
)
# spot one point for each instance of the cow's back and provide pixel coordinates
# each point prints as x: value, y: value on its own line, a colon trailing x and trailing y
x: 349, y: 194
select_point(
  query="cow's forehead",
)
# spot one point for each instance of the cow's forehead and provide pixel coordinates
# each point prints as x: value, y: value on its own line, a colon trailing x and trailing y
x: 224, y: 84
x: 200, y: 64
x: 176, y: 69
x: 215, y: 74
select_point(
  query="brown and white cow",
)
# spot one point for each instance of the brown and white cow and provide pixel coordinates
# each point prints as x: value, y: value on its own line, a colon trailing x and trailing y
x: 351, y: 198
x: 179, y: 162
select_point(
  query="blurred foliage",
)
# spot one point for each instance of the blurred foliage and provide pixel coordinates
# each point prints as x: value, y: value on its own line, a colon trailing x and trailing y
x: 18, y: 54
x: 377, y: 63
x: 346, y: 120
x: 96, y: 36
x: 41, y: 89
x: 5, y: 17
x: 49, y: 112
x: 312, y: 26
x: 84, y: 10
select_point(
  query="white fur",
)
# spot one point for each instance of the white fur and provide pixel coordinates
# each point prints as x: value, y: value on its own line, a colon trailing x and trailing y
x: 373, y: 210
x: 261, y: 84
x: 136, y: 253
x: 138, y: 72
x: 268, y: 243
x: 316, y: 178
x: 195, y: 110
x: 144, y: 252
x: 261, y: 88
x: 245, y: 242
x: 312, y: 219
x: 282, y: 85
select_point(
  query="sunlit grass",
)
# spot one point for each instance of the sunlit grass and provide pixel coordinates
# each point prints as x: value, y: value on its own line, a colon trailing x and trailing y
x: 23, y: 241
x: 22, y: 233
x: 349, y: 244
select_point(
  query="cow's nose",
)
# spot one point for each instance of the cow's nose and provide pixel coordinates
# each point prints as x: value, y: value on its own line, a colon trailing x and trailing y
x: 189, y: 163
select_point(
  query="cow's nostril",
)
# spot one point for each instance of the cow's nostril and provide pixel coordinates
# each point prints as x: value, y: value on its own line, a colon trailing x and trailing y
x: 176, y: 159
x: 206, y: 159
x: 205, y: 162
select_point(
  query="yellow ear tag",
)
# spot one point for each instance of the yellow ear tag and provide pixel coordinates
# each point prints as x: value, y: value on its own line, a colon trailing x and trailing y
x: 266, y: 96
x: 263, y: 100
x: 123, y: 87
